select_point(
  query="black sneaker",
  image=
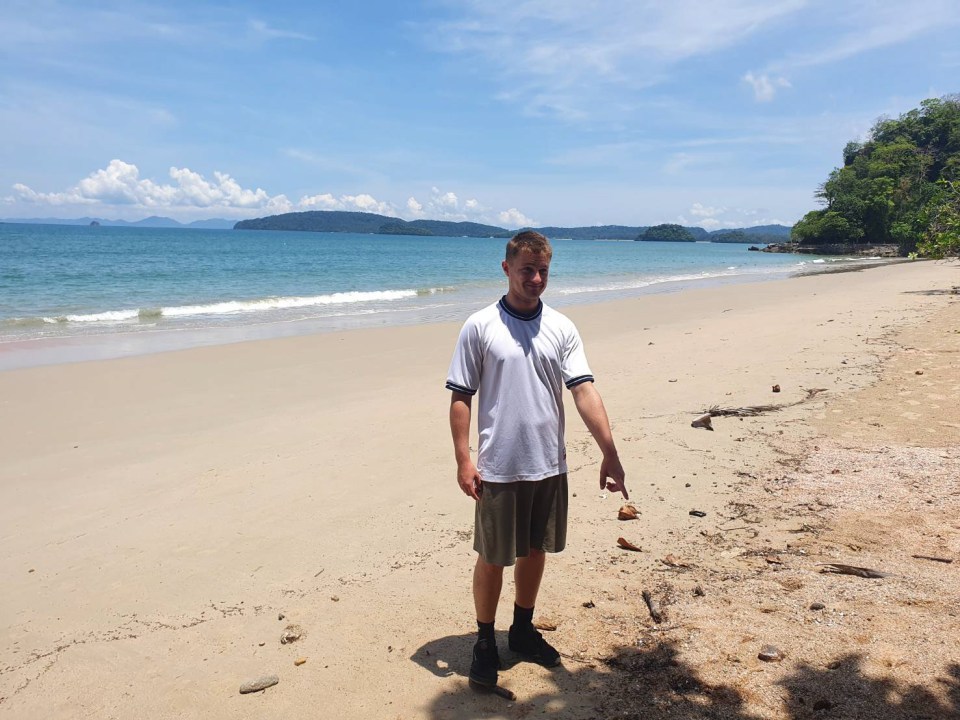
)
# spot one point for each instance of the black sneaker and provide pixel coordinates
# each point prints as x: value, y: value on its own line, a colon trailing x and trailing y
x: 486, y: 663
x: 529, y: 644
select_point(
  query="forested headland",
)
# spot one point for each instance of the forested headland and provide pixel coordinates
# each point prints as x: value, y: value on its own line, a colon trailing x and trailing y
x: 900, y: 187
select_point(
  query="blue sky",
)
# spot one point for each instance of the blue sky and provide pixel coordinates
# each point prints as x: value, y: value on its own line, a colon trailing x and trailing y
x: 718, y: 113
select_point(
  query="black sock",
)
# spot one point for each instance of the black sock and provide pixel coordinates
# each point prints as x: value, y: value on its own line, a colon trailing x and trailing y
x: 522, y: 617
x: 485, y: 631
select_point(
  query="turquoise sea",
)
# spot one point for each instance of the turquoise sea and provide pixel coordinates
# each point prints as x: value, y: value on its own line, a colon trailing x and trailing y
x: 75, y: 292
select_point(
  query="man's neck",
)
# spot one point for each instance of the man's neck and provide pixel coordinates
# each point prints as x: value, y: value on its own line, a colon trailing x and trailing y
x: 521, y: 306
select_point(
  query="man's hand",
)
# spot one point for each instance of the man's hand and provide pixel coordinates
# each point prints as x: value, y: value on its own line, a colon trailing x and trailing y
x: 469, y: 479
x: 612, y: 476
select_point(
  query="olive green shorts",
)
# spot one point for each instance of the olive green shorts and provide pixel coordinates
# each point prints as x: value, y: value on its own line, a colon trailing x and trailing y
x: 511, y: 518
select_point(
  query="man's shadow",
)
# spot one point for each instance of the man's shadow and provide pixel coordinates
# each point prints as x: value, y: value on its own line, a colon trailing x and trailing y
x: 653, y: 683
x: 449, y: 657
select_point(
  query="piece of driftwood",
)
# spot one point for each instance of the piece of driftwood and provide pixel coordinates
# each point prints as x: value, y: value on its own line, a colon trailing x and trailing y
x: 671, y: 561
x: 588, y: 662
x: 754, y: 410
x: 627, y: 545
x: 653, y: 606
x: 935, y: 559
x: 863, y: 572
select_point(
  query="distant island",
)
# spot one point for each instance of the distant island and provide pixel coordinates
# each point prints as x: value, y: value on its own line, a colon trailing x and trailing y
x: 372, y: 223
x: 154, y: 221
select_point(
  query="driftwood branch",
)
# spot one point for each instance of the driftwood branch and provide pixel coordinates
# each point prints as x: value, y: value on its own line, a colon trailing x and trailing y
x: 853, y: 570
x: 754, y: 410
x: 935, y: 559
x: 653, y: 606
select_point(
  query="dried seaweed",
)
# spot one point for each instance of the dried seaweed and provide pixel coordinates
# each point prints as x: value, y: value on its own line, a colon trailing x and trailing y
x: 754, y: 410
x: 863, y: 572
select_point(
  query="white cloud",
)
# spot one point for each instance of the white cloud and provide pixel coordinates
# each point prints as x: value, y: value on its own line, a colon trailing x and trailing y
x: 513, y: 218
x: 871, y: 26
x: 367, y: 203
x: 765, y: 87
x: 120, y: 184
x: 447, y: 206
x: 716, y: 218
x: 677, y: 162
x: 699, y: 210
x: 414, y: 209
x: 120, y: 187
x: 352, y: 203
x: 559, y: 56
x: 325, y: 201
x: 260, y: 30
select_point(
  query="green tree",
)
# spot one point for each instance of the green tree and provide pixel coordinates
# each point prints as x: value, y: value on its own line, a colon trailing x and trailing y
x: 942, y: 238
x: 823, y: 227
x: 667, y: 233
x: 887, y: 191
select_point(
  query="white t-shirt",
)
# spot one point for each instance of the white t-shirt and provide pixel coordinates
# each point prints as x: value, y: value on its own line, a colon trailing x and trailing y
x: 518, y: 365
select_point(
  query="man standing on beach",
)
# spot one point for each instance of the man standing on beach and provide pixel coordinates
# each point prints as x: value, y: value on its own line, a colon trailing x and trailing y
x: 516, y: 356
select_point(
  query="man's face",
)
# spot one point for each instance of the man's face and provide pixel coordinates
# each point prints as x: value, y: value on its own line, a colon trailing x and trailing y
x: 527, y: 274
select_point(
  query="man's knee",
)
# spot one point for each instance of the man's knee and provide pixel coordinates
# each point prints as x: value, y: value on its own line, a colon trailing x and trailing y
x: 488, y: 569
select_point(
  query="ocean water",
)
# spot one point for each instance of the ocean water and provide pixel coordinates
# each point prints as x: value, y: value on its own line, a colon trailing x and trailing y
x: 73, y: 293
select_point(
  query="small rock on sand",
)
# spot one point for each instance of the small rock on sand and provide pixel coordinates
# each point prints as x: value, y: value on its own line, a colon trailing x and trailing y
x: 769, y: 653
x: 259, y: 684
x: 291, y: 633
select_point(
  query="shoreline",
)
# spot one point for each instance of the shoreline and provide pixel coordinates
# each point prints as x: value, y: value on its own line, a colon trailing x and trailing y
x: 85, y: 347
x: 160, y: 512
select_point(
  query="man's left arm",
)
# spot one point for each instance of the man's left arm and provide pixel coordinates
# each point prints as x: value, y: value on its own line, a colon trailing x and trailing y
x: 590, y: 406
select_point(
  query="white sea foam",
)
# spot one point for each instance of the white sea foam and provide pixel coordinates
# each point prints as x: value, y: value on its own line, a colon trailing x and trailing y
x: 110, y: 316
x: 640, y: 283
x: 233, y: 307
x: 283, y: 303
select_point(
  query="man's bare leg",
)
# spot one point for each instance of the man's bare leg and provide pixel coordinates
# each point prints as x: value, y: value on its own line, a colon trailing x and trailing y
x: 487, y: 584
x: 524, y: 639
x: 527, y: 575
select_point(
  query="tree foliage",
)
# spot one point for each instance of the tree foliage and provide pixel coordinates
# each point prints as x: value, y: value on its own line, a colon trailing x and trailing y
x: 667, y: 233
x: 900, y: 186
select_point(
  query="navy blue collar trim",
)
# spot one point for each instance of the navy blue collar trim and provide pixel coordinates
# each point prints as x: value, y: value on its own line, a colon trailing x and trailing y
x: 519, y: 315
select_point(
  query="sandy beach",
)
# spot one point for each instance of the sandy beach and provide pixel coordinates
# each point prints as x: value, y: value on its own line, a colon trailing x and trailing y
x: 166, y: 519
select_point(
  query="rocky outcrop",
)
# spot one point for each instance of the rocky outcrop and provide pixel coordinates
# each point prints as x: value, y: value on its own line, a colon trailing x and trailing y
x: 850, y: 249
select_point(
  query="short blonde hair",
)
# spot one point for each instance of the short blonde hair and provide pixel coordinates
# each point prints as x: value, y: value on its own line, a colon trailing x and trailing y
x: 528, y: 240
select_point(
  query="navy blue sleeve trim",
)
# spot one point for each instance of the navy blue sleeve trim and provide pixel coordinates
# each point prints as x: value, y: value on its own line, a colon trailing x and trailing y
x: 579, y: 381
x: 460, y: 389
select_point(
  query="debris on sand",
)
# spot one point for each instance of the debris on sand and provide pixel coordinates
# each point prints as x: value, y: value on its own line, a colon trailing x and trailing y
x: 259, y: 684
x: 291, y: 633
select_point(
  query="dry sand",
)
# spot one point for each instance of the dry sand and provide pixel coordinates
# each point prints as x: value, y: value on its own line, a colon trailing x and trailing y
x: 158, y: 515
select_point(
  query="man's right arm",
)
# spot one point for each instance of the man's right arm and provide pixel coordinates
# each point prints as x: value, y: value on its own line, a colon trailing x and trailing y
x: 467, y: 475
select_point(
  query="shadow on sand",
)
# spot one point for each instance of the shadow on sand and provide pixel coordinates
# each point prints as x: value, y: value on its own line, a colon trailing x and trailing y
x: 655, y: 684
